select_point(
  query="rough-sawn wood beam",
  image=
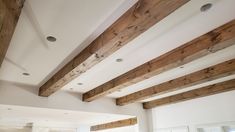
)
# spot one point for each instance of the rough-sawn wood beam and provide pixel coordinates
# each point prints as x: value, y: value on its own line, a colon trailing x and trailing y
x: 211, y: 73
x: 115, y: 124
x: 9, y: 14
x: 197, y: 93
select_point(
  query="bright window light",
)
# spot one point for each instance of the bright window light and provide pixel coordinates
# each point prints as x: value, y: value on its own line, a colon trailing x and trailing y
x: 232, y: 130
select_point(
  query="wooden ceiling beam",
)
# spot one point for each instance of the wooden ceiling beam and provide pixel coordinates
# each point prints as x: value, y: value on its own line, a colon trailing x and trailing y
x: 214, y: 72
x: 193, y: 94
x: 9, y: 14
x: 139, y: 18
x: 208, y: 43
x: 115, y: 124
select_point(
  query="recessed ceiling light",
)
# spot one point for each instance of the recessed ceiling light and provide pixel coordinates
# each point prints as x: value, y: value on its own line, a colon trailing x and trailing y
x: 71, y: 88
x: 206, y: 7
x: 119, y: 60
x: 80, y: 83
x: 51, y: 38
x: 26, y: 74
x: 182, y: 67
x: 9, y: 108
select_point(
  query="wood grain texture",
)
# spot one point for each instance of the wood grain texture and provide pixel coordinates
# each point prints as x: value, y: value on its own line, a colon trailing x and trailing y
x: 197, y: 93
x: 211, y: 42
x: 139, y: 18
x: 214, y: 72
x: 116, y: 124
x: 9, y: 14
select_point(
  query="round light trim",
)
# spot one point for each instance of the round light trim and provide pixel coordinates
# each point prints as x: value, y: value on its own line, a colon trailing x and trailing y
x: 26, y: 74
x: 80, y: 83
x: 119, y: 60
x: 206, y: 7
x: 51, y: 39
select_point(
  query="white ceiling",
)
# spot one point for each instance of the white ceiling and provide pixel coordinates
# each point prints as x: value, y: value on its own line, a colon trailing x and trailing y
x: 23, y: 116
x: 75, y: 23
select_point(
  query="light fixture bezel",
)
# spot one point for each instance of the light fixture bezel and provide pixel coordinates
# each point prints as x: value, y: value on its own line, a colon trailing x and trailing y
x: 206, y: 7
x: 26, y: 74
x: 119, y: 60
x: 79, y: 83
x: 51, y: 38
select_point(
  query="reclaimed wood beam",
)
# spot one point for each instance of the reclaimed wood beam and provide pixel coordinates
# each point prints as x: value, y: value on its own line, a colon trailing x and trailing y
x: 193, y: 94
x: 115, y: 124
x: 9, y: 15
x: 139, y: 18
x: 211, y: 73
x: 213, y: 41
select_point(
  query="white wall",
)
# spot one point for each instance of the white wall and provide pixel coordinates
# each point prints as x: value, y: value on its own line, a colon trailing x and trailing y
x: 218, y: 108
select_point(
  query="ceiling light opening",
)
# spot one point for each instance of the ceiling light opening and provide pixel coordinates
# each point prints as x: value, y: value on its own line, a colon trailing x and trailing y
x: 26, y: 74
x: 206, y: 7
x: 119, y: 60
x: 80, y: 83
x: 51, y: 39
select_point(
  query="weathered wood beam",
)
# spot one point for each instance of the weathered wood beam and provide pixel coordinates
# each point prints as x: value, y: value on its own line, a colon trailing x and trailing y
x: 115, y: 124
x: 9, y: 14
x: 211, y: 42
x: 214, y: 72
x: 197, y: 93
x: 139, y: 18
